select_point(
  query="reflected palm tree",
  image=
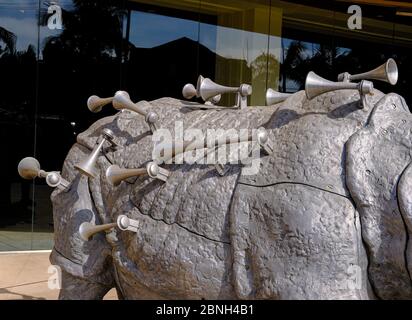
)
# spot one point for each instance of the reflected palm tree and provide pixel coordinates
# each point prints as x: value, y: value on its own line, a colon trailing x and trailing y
x: 324, y: 60
x: 265, y: 68
x: 265, y: 73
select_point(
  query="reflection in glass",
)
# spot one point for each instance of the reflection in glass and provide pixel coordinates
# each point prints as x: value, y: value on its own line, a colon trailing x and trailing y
x: 81, y: 59
x: 18, y: 53
x: 161, y: 51
x: 239, y: 38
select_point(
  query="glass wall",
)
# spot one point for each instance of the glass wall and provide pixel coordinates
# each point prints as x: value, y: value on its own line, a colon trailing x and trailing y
x: 54, y: 55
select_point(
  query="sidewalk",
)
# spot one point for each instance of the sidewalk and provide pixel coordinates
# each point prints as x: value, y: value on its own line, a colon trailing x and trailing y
x: 24, y: 276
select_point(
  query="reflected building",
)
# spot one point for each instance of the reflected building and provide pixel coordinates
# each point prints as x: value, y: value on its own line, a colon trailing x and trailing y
x: 151, y: 48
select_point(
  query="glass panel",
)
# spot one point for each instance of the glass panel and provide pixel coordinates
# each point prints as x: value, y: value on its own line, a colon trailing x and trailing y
x: 239, y: 41
x: 161, y: 50
x: 78, y: 59
x: 18, y: 61
x: 402, y: 53
x: 367, y: 48
x: 307, y: 43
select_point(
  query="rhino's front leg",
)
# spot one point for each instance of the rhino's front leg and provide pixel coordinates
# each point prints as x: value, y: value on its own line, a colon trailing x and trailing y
x: 75, y: 288
x: 86, y: 265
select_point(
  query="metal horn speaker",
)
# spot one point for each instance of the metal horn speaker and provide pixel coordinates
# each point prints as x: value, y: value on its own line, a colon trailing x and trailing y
x: 274, y: 97
x: 95, y: 103
x: 115, y: 175
x: 88, y: 165
x: 387, y: 72
x: 29, y: 168
x: 122, y: 100
x: 316, y: 85
x: 124, y: 223
x: 189, y: 91
x: 209, y: 89
x: 87, y: 229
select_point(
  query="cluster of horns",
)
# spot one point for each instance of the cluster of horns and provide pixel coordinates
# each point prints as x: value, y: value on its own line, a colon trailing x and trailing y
x: 315, y: 85
x: 210, y: 92
x: 29, y: 168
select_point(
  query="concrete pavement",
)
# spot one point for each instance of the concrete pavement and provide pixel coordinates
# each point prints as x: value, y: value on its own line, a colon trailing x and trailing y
x: 24, y: 275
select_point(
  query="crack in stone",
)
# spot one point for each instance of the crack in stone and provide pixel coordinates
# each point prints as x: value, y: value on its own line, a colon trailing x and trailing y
x: 294, y: 183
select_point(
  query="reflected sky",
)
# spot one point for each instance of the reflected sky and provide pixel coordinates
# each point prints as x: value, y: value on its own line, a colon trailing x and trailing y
x: 148, y: 30
x: 21, y: 18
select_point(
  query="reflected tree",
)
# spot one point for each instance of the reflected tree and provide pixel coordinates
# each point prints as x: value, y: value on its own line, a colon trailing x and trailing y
x: 265, y: 68
x: 298, y: 62
x: 81, y: 59
x: 92, y: 32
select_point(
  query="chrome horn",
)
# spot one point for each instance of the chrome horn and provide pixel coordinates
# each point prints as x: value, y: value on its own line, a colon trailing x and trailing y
x: 122, y: 100
x: 274, y: 97
x: 88, y: 165
x: 95, y: 103
x: 87, y: 229
x: 209, y: 89
x: 174, y: 149
x: 316, y: 85
x: 189, y: 91
x: 387, y: 72
x: 115, y: 175
x: 29, y: 168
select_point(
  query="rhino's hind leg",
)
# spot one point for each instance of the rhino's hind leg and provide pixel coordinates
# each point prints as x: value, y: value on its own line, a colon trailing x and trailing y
x: 294, y: 241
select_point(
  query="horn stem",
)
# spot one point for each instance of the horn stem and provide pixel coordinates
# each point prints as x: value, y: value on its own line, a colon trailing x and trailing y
x: 115, y: 174
x: 366, y: 75
x: 42, y: 174
x: 122, y: 101
x: 175, y: 149
x: 86, y: 229
x: 95, y: 103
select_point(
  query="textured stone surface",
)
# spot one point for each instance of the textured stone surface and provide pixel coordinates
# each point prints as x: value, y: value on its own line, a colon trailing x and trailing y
x: 294, y: 230
x: 296, y: 242
x: 376, y: 157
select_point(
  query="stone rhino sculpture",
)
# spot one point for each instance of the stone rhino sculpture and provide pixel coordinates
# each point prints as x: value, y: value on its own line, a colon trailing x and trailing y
x: 327, y: 216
